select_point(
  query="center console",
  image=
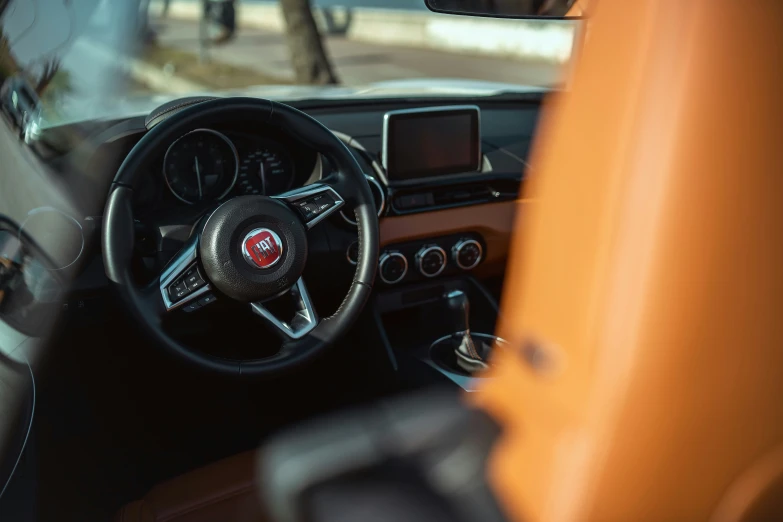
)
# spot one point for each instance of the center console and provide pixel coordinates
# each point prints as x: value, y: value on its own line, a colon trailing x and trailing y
x: 425, y: 325
x: 436, y: 319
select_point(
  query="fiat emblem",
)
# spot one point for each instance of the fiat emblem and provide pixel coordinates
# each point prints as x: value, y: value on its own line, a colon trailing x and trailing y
x: 262, y: 248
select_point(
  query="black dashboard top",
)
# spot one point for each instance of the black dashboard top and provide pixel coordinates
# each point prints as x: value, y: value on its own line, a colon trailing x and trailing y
x: 507, y: 127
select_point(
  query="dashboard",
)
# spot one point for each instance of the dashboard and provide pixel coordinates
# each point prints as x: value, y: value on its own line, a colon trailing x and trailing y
x: 432, y: 227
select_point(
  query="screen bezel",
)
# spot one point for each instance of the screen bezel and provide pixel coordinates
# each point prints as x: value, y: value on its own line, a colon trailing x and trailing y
x: 422, y: 113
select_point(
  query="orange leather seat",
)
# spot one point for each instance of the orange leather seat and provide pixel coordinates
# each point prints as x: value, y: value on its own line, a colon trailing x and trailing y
x: 225, y: 491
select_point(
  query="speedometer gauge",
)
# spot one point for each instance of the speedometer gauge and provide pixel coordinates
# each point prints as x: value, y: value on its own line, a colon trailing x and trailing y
x: 200, y: 166
x: 265, y: 171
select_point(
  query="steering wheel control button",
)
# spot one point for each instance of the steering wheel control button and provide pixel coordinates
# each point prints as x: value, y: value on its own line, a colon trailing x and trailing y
x: 193, y: 279
x: 207, y: 299
x: 178, y: 290
x: 262, y: 248
x: 393, y: 267
x: 431, y: 260
x: 315, y: 205
x: 186, y: 284
x: 191, y: 307
x: 467, y: 253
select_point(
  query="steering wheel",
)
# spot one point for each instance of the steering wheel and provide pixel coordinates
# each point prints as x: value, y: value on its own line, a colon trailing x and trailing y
x: 250, y: 249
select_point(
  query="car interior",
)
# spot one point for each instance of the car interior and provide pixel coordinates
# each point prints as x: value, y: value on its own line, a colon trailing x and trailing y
x: 390, y: 246
x: 439, y: 250
x: 552, y: 305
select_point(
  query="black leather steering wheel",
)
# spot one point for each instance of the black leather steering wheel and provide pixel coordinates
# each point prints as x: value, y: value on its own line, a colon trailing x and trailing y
x: 251, y: 248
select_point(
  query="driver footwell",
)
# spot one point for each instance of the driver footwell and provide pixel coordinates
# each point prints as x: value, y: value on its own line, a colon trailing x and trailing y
x: 117, y: 416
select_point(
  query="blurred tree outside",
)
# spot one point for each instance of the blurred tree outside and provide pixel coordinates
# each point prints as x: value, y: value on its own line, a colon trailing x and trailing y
x: 51, y: 83
x: 8, y: 65
x: 308, y: 56
x: 49, y: 73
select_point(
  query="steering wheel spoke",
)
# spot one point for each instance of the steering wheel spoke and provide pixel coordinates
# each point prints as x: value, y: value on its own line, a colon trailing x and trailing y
x: 313, y: 203
x: 304, y: 318
x: 182, y: 284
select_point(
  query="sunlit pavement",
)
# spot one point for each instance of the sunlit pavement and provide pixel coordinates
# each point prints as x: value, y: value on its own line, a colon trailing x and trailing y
x: 356, y: 62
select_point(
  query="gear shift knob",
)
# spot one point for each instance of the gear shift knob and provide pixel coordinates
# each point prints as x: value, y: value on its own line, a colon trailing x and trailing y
x: 468, y: 358
x: 459, y: 305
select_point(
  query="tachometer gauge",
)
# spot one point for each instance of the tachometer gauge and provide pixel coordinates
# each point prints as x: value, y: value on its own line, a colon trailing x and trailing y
x: 265, y: 171
x: 200, y: 166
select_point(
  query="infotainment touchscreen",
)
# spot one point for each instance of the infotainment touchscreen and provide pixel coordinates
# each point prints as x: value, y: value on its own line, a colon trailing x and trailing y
x: 430, y: 142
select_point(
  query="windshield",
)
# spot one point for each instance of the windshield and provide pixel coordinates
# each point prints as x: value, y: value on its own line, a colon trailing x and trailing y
x: 101, y: 58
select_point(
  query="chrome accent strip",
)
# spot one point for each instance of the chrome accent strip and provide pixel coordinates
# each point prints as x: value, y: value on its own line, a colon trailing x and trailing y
x: 378, y: 185
x: 305, y: 319
x: 426, y: 250
x: 183, y: 259
x: 295, y: 195
x: 459, y: 246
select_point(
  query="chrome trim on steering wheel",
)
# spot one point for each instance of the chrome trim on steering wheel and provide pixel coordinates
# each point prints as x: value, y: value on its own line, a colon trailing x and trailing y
x: 304, y: 319
x: 182, y: 260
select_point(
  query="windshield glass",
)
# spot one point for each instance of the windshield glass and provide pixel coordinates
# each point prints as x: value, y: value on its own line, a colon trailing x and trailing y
x: 104, y: 58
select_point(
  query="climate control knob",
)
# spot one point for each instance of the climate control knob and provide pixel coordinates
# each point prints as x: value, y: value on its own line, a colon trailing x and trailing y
x: 392, y: 267
x: 467, y: 253
x: 431, y: 260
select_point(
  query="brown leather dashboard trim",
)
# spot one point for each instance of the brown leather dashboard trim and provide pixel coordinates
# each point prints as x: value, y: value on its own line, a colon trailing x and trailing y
x: 494, y: 221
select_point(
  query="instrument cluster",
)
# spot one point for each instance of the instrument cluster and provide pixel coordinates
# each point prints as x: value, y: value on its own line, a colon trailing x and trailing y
x: 206, y: 165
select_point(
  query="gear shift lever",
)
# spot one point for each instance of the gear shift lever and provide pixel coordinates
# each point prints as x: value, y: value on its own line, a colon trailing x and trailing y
x: 469, y: 357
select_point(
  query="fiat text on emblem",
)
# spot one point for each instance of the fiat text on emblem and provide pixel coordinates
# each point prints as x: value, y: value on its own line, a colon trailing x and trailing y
x: 262, y: 248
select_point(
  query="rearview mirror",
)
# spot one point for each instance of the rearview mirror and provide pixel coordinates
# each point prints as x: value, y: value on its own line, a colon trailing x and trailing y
x: 508, y: 8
